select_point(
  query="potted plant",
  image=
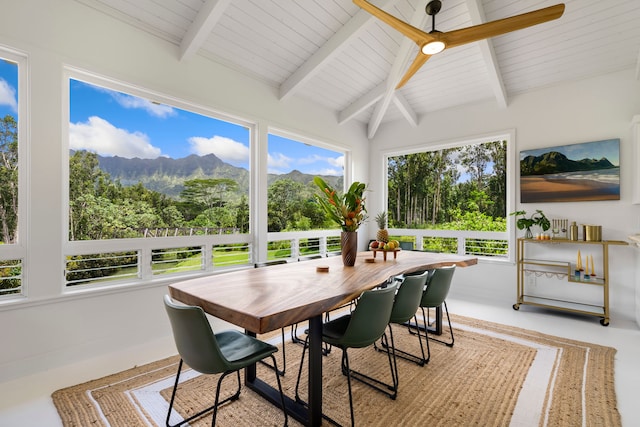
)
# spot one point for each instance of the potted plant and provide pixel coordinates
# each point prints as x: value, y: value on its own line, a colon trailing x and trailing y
x: 347, y: 210
x: 525, y: 223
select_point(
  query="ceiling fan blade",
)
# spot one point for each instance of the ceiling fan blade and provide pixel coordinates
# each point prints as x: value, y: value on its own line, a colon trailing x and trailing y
x: 501, y: 26
x: 415, y: 34
x: 421, y: 58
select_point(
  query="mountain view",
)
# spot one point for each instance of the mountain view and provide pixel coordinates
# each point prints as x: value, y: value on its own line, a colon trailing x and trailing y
x: 554, y: 162
x: 166, y: 175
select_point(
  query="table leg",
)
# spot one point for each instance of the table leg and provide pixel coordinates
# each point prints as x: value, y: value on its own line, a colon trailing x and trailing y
x: 437, y: 329
x: 271, y: 394
x: 311, y: 416
x: 315, y: 371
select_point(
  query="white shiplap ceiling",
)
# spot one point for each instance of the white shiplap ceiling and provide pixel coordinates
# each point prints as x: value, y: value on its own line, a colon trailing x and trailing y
x: 339, y: 56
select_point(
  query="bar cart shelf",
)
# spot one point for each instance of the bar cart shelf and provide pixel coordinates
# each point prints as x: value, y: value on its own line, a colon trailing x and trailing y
x: 564, y: 271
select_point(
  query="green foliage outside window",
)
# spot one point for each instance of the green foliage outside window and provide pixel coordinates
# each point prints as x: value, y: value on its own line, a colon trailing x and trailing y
x: 8, y: 179
x: 460, y: 188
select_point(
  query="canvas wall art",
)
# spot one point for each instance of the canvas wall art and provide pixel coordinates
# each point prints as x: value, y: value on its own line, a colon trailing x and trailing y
x: 588, y: 171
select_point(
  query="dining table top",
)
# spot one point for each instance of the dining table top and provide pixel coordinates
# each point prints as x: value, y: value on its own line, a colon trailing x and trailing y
x: 266, y: 299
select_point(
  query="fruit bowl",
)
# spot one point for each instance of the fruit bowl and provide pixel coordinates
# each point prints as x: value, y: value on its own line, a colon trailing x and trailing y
x: 392, y: 246
x: 384, y: 246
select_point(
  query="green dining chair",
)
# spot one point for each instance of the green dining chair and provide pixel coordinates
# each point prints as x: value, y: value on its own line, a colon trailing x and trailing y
x: 208, y: 353
x: 360, y: 328
x: 405, y: 306
x: 435, y: 295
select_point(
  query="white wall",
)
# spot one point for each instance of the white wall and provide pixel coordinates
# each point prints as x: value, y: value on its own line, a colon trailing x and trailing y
x: 588, y: 110
x: 109, y: 331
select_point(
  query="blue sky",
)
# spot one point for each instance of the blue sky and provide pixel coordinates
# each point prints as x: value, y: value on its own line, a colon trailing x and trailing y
x: 111, y: 123
x: 609, y: 148
x: 8, y: 89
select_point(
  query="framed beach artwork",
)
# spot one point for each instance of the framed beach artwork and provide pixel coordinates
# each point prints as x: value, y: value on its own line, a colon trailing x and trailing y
x: 588, y: 171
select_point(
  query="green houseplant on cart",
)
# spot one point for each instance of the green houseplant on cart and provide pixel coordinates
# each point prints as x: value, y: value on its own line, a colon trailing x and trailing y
x: 525, y: 223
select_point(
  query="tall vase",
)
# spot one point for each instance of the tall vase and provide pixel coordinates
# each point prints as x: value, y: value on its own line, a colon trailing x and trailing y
x: 349, y: 247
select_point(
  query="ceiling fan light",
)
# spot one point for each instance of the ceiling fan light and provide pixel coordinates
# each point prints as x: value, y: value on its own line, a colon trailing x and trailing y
x: 432, y: 48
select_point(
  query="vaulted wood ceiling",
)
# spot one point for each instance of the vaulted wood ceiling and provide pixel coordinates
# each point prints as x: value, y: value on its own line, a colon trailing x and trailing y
x: 339, y: 56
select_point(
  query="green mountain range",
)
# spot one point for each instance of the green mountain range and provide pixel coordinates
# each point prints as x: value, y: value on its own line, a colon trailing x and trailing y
x: 167, y: 176
x: 554, y: 162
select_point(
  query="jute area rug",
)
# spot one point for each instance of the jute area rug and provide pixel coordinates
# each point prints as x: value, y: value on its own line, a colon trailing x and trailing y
x: 494, y: 375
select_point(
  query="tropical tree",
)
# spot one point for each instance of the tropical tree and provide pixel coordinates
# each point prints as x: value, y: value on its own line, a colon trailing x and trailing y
x: 242, y: 215
x: 285, y: 198
x: 218, y: 217
x: 426, y: 189
x: 85, y: 179
x: 8, y: 179
x: 206, y: 193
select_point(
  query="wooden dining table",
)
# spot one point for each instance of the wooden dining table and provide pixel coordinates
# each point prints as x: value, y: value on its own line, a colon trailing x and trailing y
x: 261, y: 300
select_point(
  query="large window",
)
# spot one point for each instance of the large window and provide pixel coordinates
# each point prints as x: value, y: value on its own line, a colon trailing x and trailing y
x: 451, y: 199
x: 12, y: 71
x: 138, y: 167
x: 167, y: 180
x: 291, y: 207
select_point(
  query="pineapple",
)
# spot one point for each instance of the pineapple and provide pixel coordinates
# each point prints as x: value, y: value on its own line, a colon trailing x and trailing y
x: 382, y: 235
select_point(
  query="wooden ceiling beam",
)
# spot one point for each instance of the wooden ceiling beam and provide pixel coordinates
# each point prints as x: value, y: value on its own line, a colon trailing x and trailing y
x: 201, y: 27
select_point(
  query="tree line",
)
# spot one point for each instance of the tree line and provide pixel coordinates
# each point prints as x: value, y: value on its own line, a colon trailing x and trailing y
x: 100, y: 207
x: 424, y: 190
x: 460, y: 188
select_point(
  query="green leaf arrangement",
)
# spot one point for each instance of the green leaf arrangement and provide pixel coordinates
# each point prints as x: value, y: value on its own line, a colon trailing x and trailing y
x: 345, y: 209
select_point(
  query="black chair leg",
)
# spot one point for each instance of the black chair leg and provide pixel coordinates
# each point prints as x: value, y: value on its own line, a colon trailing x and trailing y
x: 232, y: 397
x: 284, y: 409
x: 304, y: 350
x: 294, y: 334
x: 297, y: 340
x: 345, y: 361
x: 419, y: 360
x: 217, y: 403
x: 204, y: 411
x: 284, y: 357
x: 394, y: 373
x: 388, y: 389
x: 447, y: 343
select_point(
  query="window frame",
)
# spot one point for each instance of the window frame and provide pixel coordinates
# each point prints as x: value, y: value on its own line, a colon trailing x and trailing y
x: 18, y: 250
x: 510, y: 137
x: 144, y: 246
x: 327, y: 237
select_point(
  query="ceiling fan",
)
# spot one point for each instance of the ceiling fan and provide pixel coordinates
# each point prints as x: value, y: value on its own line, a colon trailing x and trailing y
x: 435, y: 41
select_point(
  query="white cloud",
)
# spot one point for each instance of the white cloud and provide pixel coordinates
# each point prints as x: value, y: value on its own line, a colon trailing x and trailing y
x: 310, y: 159
x: 327, y: 171
x: 224, y: 148
x: 337, y: 162
x: 8, y: 95
x: 277, y: 162
x: 101, y: 137
x: 157, y: 110
x: 134, y: 102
